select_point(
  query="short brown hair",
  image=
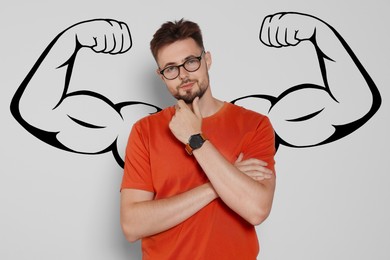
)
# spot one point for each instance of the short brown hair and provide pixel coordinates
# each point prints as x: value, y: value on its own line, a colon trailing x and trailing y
x: 171, y: 32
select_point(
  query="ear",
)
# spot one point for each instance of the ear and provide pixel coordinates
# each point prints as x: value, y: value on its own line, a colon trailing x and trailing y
x: 159, y: 74
x: 208, y: 59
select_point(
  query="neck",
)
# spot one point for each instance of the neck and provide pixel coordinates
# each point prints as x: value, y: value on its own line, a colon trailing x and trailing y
x: 209, y: 105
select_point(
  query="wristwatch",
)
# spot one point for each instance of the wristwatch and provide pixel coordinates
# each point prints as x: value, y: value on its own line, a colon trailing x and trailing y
x: 195, y: 142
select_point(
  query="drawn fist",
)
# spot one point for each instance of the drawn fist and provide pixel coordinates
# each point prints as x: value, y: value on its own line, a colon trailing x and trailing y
x: 103, y: 35
x: 287, y: 29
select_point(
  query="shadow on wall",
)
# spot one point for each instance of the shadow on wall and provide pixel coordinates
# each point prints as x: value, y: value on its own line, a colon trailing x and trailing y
x: 155, y: 88
x: 87, y: 122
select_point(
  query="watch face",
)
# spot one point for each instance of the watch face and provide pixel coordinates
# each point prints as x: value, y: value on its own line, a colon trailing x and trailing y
x: 196, y: 141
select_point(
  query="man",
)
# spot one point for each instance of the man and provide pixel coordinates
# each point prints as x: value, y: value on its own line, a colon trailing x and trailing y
x: 198, y: 176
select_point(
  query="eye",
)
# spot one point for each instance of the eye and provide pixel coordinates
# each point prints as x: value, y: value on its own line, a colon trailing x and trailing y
x: 192, y: 64
x: 170, y: 69
x: 192, y: 61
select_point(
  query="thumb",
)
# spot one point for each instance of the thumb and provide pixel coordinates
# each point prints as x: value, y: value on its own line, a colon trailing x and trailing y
x: 195, y: 107
x: 239, y: 158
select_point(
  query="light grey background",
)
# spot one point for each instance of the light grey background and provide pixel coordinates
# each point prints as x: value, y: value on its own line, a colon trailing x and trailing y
x: 332, y: 201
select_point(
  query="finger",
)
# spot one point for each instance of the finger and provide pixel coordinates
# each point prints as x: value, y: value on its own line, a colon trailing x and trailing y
x: 254, y: 161
x: 255, y: 169
x: 181, y: 104
x: 195, y: 107
x: 277, y: 40
x: 127, y: 41
x: 100, y: 45
x: 291, y: 37
x: 264, y: 31
x: 115, y: 37
x: 259, y: 176
x: 256, y: 176
x: 239, y: 158
x: 275, y: 29
x: 176, y: 107
x: 111, y: 43
x: 281, y: 36
x: 282, y: 31
x: 121, y: 36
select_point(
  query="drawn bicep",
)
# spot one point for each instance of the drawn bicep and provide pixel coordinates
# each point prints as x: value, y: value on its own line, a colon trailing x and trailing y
x: 86, y: 123
x: 303, y: 117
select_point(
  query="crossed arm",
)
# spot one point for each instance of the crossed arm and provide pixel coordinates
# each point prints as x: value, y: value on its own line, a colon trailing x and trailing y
x: 249, y: 193
x: 247, y: 187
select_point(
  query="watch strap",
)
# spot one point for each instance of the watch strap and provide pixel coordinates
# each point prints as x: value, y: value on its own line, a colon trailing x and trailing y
x: 190, y: 148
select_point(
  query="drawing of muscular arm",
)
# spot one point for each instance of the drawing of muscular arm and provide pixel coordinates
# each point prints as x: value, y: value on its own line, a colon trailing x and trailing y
x: 307, y: 114
x: 80, y: 121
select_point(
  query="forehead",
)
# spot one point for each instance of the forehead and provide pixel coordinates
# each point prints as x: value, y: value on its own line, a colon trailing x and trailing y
x: 177, y: 52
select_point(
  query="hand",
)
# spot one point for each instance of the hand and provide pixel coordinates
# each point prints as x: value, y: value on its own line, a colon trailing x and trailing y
x: 254, y: 168
x: 287, y: 29
x: 186, y: 122
x: 103, y: 35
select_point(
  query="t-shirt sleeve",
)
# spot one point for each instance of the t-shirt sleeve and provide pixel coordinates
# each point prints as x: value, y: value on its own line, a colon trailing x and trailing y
x: 137, y: 171
x: 262, y: 144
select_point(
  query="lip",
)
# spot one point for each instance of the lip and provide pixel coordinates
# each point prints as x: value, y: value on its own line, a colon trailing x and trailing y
x: 187, y: 86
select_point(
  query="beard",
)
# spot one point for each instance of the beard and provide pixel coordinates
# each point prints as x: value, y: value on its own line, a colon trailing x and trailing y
x: 189, y: 96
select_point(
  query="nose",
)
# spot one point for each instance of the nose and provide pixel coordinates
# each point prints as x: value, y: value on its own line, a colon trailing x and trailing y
x: 183, y: 73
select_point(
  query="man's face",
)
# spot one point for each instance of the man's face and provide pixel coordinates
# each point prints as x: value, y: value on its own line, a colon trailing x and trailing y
x: 187, y: 85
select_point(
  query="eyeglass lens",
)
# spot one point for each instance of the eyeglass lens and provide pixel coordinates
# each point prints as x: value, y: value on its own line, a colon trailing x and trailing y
x: 190, y: 65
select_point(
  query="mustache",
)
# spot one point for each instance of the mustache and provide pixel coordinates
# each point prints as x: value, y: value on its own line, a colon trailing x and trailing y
x: 185, y: 81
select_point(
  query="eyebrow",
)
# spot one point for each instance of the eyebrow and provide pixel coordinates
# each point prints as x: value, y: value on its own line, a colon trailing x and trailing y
x: 174, y: 63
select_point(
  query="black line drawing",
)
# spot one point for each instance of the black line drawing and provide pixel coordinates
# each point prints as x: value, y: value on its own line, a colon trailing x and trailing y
x: 328, y: 107
x: 57, y: 118
x: 95, y: 129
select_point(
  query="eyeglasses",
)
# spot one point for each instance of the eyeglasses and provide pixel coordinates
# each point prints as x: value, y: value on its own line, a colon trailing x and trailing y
x: 190, y: 65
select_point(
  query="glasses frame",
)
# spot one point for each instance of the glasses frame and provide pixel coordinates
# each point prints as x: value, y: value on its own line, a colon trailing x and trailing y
x: 199, y: 58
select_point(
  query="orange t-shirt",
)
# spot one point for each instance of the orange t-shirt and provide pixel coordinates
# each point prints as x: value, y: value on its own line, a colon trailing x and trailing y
x: 157, y: 162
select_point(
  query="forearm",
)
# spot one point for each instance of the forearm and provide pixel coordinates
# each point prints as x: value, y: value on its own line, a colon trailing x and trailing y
x: 341, y: 69
x: 251, y: 199
x: 47, y: 77
x: 146, y: 218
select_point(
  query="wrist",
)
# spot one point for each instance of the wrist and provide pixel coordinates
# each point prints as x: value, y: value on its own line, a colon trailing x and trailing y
x: 212, y: 193
x: 195, y: 142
